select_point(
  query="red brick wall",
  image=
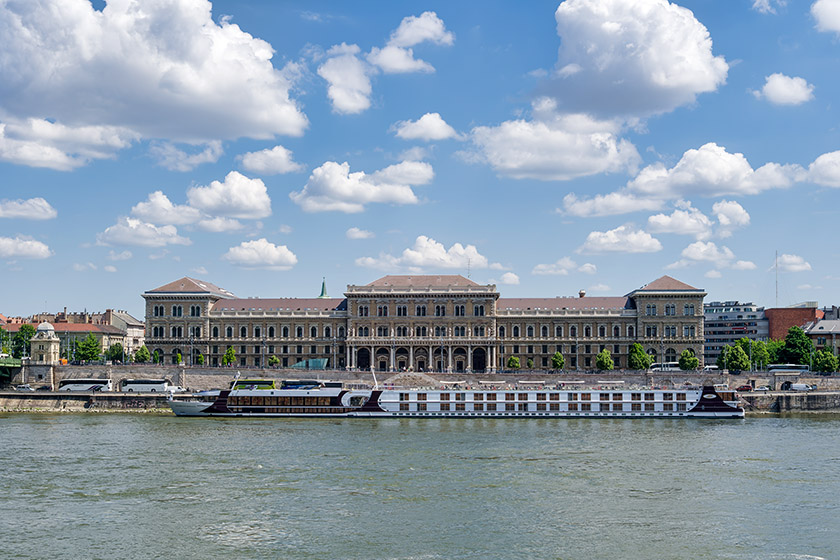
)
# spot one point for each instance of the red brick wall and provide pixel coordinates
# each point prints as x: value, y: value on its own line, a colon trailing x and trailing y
x: 783, y: 318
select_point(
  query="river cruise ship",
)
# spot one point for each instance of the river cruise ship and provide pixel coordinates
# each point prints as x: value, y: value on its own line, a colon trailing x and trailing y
x: 331, y: 399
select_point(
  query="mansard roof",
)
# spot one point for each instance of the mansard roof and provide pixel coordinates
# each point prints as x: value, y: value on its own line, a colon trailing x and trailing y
x: 281, y: 304
x: 560, y: 303
x: 74, y: 328
x: 187, y: 285
x: 667, y: 284
x: 422, y: 281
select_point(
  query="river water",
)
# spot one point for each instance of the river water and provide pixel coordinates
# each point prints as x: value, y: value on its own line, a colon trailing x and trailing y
x: 145, y: 486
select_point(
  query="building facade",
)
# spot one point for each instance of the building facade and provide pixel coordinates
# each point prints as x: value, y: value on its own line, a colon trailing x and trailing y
x: 421, y: 323
x: 728, y: 321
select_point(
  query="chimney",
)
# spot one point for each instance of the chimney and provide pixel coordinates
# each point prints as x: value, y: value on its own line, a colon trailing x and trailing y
x: 582, y: 293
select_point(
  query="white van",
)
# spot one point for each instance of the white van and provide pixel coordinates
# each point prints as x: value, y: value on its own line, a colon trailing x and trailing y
x: 800, y: 387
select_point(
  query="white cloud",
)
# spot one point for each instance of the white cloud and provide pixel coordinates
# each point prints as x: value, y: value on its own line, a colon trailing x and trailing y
x: 562, y: 267
x: 174, y: 159
x: 22, y: 247
x: 731, y: 216
x: 396, y: 60
x: 429, y: 254
x: 827, y: 15
x: 720, y: 257
x: 133, y: 232
x: 159, y: 69
x: 261, y: 253
x: 348, y: 78
x: 766, y: 6
x: 825, y: 170
x: 109, y: 268
x: 632, y: 58
x: 554, y: 147
x: 510, y: 279
x: 356, y: 233
x: 623, y: 239
x: 83, y: 267
x: 599, y: 288
x: 714, y: 273
x: 159, y: 210
x: 428, y: 127
x: 743, y: 265
x: 121, y: 256
x: 200, y: 270
x: 270, y: 161
x: 284, y: 228
x: 220, y: 225
x: 397, y: 57
x: 237, y: 197
x: 332, y: 187
x: 29, y: 209
x: 793, y: 263
x: 784, y: 90
x: 588, y: 268
x: 685, y: 220
x: 607, y: 205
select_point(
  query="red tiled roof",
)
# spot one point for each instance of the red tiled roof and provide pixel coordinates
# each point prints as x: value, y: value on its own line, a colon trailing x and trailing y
x: 191, y: 285
x: 595, y: 302
x: 666, y: 283
x: 280, y: 304
x: 422, y: 281
x: 73, y: 328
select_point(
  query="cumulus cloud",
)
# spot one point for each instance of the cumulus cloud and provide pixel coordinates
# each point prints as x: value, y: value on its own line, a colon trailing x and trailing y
x: 134, y: 232
x: 356, y: 233
x: 623, y: 239
x: 599, y: 288
x: 121, y: 256
x: 554, y: 146
x: 588, y: 268
x: 348, y: 78
x: 155, y: 70
x: 510, y: 279
x: 632, y: 58
x: 174, y: 159
x: 428, y: 127
x: 767, y: 6
x: 237, y: 197
x: 220, y: 225
x: 159, y: 210
x: 261, y: 253
x: 109, y: 268
x: 83, y: 267
x: 28, y: 209
x: 396, y: 56
x: 714, y: 273
x: 396, y: 60
x: 685, y: 220
x: 562, y: 268
x: 332, y: 187
x: 430, y: 254
x: 730, y: 216
x: 22, y: 247
x: 827, y: 15
x: 793, y: 263
x: 784, y: 90
x: 607, y: 204
x: 709, y: 252
x: 270, y: 161
x: 825, y: 170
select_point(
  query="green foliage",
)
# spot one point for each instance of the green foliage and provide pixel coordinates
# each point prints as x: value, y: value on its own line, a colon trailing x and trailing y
x: 756, y: 351
x: 273, y: 360
x: 825, y: 362
x: 178, y: 358
x: 558, y: 361
x: 21, y: 339
x: 688, y: 361
x: 156, y: 358
x: 733, y: 358
x: 5, y: 342
x: 199, y: 359
x: 637, y: 359
x: 142, y: 355
x: 115, y: 353
x: 89, y: 349
x: 604, y: 361
x: 513, y: 362
x: 774, y: 351
x: 798, y: 347
x: 229, y: 357
x: 530, y: 364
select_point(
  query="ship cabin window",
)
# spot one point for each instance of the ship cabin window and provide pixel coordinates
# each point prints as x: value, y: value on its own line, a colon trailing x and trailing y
x: 681, y: 407
x: 540, y: 407
x: 573, y: 407
x: 509, y: 396
x: 667, y: 396
x: 636, y: 407
x: 460, y: 406
x: 586, y: 406
x: 680, y: 396
x: 421, y: 396
x: 421, y: 406
x: 635, y: 396
x: 605, y: 396
x: 491, y: 397
x: 649, y: 407
x: 585, y: 396
x: 554, y: 396
x: 668, y: 407
x: 444, y: 396
x: 649, y: 396
x: 444, y: 406
x: 460, y: 397
x: 573, y: 396
x: 523, y: 396
x: 618, y: 396
x: 403, y: 396
x: 404, y: 406
x: 478, y: 407
x: 491, y: 407
x: 510, y: 406
x: 554, y: 407
x: 540, y: 396
x: 478, y: 397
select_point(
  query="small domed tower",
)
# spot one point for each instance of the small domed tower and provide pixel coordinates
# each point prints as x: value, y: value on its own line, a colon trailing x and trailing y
x: 45, y: 346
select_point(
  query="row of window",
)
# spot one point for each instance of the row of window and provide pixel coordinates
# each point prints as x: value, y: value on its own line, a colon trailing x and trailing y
x: 670, y: 331
x: 669, y: 309
x: 547, y: 407
x: 177, y: 311
x: 195, y: 331
x: 420, y: 310
x: 558, y: 331
x: 541, y: 396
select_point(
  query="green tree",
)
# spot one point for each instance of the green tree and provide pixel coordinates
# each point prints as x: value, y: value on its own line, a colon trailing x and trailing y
x: 5, y: 341
x: 733, y: 358
x: 513, y: 362
x: 178, y: 358
x: 115, y: 353
x: 530, y: 363
x: 825, y: 362
x: 21, y: 340
x: 229, y: 357
x: 774, y: 351
x: 604, y: 361
x: 273, y: 360
x: 142, y: 355
x: 156, y: 357
x: 688, y: 361
x: 199, y: 359
x: 637, y: 359
x: 558, y: 361
x: 89, y: 349
x: 798, y: 347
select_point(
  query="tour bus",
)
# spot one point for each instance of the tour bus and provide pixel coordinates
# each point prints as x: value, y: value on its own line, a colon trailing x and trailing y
x: 788, y: 368
x: 666, y: 366
x: 87, y: 384
x: 148, y: 386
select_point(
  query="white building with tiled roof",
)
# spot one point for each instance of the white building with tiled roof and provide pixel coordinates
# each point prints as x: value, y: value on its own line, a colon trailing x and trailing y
x: 422, y: 323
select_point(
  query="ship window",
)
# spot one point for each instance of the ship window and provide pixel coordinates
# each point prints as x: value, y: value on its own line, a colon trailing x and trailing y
x: 649, y: 396
x: 421, y: 396
x: 586, y: 406
x: 680, y: 396
x: 540, y: 407
x: 444, y: 406
x: 478, y: 407
x: 636, y: 407
x: 421, y: 406
x: 573, y: 407
x: 573, y: 396
x: 554, y: 407
x: 605, y: 396
x: 668, y: 407
x: 649, y: 407
x: 667, y: 396
x: 510, y: 406
x: 618, y: 396
x: 478, y: 397
x: 636, y: 396
x: 523, y: 396
x: 444, y: 396
x: 540, y: 396
x: 585, y: 396
x: 554, y: 396
x: 509, y: 396
x: 491, y: 397
x: 680, y: 407
x: 491, y: 407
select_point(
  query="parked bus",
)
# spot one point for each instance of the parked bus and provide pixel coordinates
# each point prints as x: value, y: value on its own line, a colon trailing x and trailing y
x: 788, y: 368
x: 87, y: 384
x: 148, y: 386
x: 666, y: 366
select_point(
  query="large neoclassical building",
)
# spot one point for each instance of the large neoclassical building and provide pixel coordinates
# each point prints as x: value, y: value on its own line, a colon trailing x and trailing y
x: 421, y: 323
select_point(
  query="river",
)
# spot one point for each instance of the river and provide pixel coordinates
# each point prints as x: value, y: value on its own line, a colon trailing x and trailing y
x: 128, y: 486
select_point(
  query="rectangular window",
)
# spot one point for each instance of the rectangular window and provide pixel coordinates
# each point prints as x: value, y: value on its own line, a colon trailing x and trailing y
x: 636, y: 407
x: 636, y: 396
x: 479, y: 407
x: 510, y: 406
x: 540, y: 396
x: 573, y: 407
x: 421, y: 406
x: 522, y: 407
x: 404, y: 406
x: 444, y: 396
x: 586, y: 406
x: 509, y: 396
x: 491, y: 407
x: 680, y: 407
x: 667, y: 396
x: 554, y: 396
x: 668, y: 407
x: 605, y: 396
x: 523, y: 396
x: 554, y: 407
x: 573, y: 396
x: 680, y: 396
x: 444, y: 407
x: 460, y: 406
x: 540, y: 407
x: 421, y: 396
x: 618, y: 396
x: 478, y: 397
x: 491, y: 396
x: 585, y: 396
x: 649, y: 396
x: 648, y: 407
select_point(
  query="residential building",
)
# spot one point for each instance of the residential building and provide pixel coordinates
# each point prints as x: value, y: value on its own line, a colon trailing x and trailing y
x: 728, y: 321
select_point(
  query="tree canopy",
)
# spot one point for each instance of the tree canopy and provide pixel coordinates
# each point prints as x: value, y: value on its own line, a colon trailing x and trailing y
x: 89, y: 349
x: 688, y: 361
x: 513, y: 362
x: 142, y: 355
x: 798, y: 347
x: 604, y: 361
x: 825, y: 362
x: 229, y: 357
x: 21, y: 340
x: 637, y: 359
x: 733, y: 358
x: 558, y: 361
x: 115, y: 353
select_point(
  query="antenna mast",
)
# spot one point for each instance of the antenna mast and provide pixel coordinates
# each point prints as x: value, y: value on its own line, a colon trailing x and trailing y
x: 469, y: 262
x: 777, y: 277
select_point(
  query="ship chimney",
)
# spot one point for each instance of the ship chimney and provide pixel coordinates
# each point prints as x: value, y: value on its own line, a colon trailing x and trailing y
x: 582, y: 293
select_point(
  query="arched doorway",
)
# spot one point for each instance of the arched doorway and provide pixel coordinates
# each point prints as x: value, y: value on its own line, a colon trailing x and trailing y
x: 479, y: 360
x: 459, y: 358
x: 363, y: 358
x: 421, y: 359
x: 401, y: 359
x: 383, y: 358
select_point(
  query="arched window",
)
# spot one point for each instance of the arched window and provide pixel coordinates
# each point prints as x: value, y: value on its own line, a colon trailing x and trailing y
x: 530, y: 331
x: 630, y: 331
x: 516, y: 331
x: 299, y: 332
x: 670, y: 355
x: 558, y: 331
x: 229, y: 332
x: 573, y: 331
x: 501, y: 332
x: 381, y: 331
x: 285, y: 332
x: 271, y: 332
x: 313, y: 332
x: 364, y: 331
x: 340, y: 332
x: 327, y: 332
x: 243, y: 332
x: 257, y: 332
x: 544, y: 331
x: 459, y: 310
x: 215, y: 332
x: 420, y: 311
x: 363, y: 311
x: 602, y: 331
x: 478, y: 310
x: 688, y: 309
x: 382, y: 311
x: 587, y: 331
x: 616, y: 331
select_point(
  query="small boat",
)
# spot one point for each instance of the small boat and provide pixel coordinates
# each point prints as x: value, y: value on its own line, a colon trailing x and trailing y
x: 330, y: 399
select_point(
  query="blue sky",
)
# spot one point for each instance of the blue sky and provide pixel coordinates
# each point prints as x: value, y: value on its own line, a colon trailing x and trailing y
x: 559, y: 146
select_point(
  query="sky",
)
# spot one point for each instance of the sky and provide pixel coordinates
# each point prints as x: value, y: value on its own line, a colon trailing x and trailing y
x: 545, y: 147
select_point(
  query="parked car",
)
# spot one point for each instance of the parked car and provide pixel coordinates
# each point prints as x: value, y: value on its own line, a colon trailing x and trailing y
x: 24, y: 387
x: 744, y: 389
x: 44, y: 388
x: 800, y: 387
x: 763, y: 388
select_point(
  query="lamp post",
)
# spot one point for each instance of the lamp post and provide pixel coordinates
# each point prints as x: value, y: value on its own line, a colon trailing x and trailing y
x: 191, y: 349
